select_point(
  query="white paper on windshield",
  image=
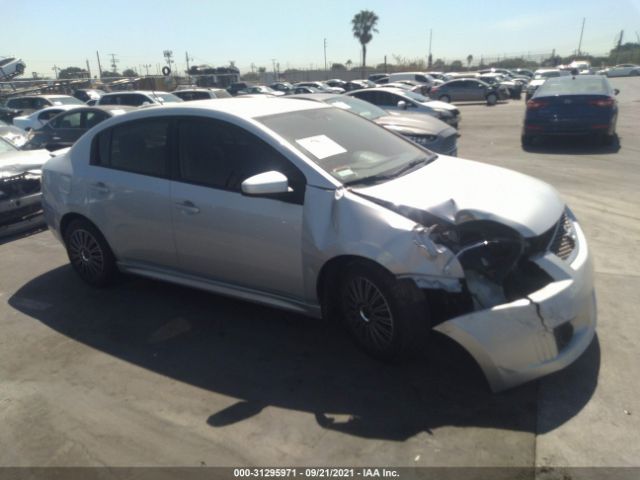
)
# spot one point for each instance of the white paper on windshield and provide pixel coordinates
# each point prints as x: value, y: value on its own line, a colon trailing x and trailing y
x: 320, y: 146
x: 341, y: 105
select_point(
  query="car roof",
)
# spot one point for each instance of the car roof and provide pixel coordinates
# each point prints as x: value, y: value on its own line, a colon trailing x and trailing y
x: 243, y: 107
x: 130, y: 92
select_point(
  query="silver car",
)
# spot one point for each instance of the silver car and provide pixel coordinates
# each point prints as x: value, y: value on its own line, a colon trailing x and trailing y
x: 399, y: 100
x: 306, y: 207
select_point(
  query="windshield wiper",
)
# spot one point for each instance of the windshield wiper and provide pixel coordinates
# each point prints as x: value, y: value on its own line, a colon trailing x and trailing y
x: 390, y: 175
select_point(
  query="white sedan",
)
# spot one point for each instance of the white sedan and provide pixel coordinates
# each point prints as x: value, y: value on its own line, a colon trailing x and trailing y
x: 11, y: 67
x: 39, y: 118
x: 624, y: 70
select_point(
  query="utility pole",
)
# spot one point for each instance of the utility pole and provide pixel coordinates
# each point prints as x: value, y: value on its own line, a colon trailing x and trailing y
x: 99, y: 67
x: 385, y: 64
x: 581, y: 32
x: 168, y: 55
x: 430, y: 58
x: 55, y: 69
x: 88, y: 69
x: 114, y: 62
x: 188, y: 59
x: 326, y: 72
x: 275, y: 72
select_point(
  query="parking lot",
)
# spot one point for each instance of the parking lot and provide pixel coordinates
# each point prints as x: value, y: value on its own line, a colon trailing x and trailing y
x: 148, y: 373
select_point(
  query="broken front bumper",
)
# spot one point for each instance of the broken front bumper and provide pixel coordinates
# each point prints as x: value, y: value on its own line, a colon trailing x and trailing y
x: 21, y: 214
x: 537, y: 335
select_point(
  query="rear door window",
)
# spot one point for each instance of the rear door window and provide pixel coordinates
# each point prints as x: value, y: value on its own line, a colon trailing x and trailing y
x: 140, y: 147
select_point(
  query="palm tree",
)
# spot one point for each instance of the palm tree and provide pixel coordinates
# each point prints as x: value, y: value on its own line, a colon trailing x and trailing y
x: 363, y: 25
x: 469, y: 60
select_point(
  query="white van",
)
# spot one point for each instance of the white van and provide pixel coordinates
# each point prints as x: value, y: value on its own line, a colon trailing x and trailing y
x: 419, y: 77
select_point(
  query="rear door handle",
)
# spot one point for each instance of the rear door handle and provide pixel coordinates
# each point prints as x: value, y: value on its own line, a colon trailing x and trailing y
x: 187, y: 207
x: 100, y: 187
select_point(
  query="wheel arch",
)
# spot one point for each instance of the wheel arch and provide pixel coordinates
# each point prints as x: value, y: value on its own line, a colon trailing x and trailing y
x: 330, y: 272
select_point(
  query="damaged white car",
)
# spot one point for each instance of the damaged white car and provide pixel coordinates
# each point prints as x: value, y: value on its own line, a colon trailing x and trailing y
x: 20, y: 193
x: 306, y: 207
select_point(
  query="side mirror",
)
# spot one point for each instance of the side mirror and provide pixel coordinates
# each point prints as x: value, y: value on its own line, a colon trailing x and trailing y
x: 402, y: 105
x: 267, y: 183
x: 616, y: 91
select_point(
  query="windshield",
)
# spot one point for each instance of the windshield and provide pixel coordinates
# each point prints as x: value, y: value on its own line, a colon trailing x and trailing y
x: 65, y: 101
x: 6, y: 147
x: 542, y: 75
x: 360, y: 107
x: 350, y: 149
x: 167, y: 97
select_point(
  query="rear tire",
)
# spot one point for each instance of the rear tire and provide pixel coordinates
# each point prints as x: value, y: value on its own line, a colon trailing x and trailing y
x: 387, y: 318
x: 90, y: 254
x: 445, y: 98
x: 492, y: 99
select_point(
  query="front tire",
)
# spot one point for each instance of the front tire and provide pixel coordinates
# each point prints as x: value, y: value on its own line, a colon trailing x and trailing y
x: 90, y: 254
x: 387, y: 318
x: 445, y: 98
x: 492, y: 99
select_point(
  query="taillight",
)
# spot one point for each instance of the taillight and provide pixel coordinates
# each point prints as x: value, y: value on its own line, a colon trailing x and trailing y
x: 535, y: 104
x: 602, y: 102
x: 433, y: 89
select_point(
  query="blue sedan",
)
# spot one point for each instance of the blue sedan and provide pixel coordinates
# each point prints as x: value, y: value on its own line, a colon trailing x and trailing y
x: 572, y: 105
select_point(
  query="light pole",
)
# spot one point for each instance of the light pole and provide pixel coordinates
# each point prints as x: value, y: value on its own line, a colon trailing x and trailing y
x: 326, y: 72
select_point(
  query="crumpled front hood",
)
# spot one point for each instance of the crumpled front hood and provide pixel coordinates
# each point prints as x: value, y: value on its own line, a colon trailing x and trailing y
x: 458, y: 190
x: 14, y: 163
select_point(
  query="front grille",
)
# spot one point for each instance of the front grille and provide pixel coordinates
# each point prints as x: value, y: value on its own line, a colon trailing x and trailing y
x: 19, y: 185
x: 563, y: 242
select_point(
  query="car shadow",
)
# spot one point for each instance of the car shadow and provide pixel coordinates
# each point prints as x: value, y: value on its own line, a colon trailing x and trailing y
x: 573, y: 146
x: 266, y: 357
x: 27, y: 233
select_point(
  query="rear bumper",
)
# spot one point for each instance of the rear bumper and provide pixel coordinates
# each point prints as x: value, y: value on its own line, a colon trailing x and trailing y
x: 534, y: 336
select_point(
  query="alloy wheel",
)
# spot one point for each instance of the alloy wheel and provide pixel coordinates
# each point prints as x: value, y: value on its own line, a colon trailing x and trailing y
x: 86, y: 253
x: 368, y: 314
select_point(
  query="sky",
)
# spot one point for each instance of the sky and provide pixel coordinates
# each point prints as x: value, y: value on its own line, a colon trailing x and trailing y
x: 291, y: 33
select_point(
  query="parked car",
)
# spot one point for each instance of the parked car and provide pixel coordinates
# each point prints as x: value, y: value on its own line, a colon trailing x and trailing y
x: 138, y: 98
x: 298, y: 90
x: 190, y: 94
x: 40, y: 117
x: 260, y: 90
x: 31, y: 103
x: 424, y: 130
x: 575, y: 105
x: 466, y: 89
x: 418, y: 77
x: 506, y: 88
x: 65, y: 128
x: 309, y: 208
x: 523, y: 71
x: 8, y: 114
x: 540, y: 77
x: 236, y: 87
x: 20, y: 192
x: 337, y: 83
x: 397, y: 100
x: 360, y: 84
x: 285, y: 87
x: 11, y: 67
x: 378, y: 77
x: 87, y: 94
x: 623, y: 70
x: 323, y: 87
x: 12, y: 134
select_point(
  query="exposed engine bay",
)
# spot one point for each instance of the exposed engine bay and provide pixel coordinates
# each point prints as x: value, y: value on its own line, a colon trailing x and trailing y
x: 497, y: 260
